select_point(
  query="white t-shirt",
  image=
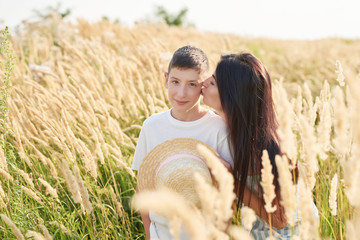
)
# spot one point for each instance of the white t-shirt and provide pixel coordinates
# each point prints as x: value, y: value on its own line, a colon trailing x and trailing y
x: 210, y: 129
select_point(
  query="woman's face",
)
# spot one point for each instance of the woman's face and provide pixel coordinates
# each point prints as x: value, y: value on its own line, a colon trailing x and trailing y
x: 210, y: 94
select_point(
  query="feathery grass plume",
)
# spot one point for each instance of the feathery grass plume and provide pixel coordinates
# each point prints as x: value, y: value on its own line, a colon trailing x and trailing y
x: 351, y: 230
x: 169, y: 205
x: 287, y: 188
x: 207, y: 195
x: 351, y: 164
x: 341, y: 139
x: 32, y: 194
x: 267, y: 179
x: 61, y: 226
x: 46, y: 161
x: 2, y: 193
x: 85, y: 198
x: 132, y: 127
x: 35, y: 235
x: 151, y: 104
x: 351, y: 167
x: 309, y: 221
x: 25, y: 176
x: 41, y: 156
x: 2, y: 203
x: 332, y: 197
x: 49, y: 189
x: 120, y: 164
x: 324, y: 127
x: 88, y: 159
x: 6, y: 175
x: 70, y: 181
x: 298, y: 102
x: 339, y: 71
x: 13, y: 227
x: 175, y: 228
x: 46, y: 232
x: 353, y: 226
x: 285, y: 117
x: 100, y: 136
x: 59, y: 142
x: 2, y: 197
x: 19, y: 145
x: 226, y: 196
x: 98, y: 150
x: 118, y: 205
x: 239, y: 234
x: 310, y: 150
x: 310, y: 108
x: 248, y: 217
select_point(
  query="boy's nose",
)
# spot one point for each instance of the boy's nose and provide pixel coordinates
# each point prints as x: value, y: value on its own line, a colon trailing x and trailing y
x: 182, y: 91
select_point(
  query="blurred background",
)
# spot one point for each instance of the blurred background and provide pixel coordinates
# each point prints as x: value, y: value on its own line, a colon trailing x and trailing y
x: 78, y: 78
x: 280, y: 19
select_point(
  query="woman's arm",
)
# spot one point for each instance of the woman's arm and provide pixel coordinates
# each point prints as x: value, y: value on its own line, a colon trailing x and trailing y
x: 278, y: 218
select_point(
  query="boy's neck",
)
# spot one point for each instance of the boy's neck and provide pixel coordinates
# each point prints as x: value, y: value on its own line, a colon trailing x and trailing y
x: 189, y: 116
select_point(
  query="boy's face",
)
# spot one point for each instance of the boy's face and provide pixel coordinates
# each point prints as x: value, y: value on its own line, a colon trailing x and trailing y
x: 184, y: 90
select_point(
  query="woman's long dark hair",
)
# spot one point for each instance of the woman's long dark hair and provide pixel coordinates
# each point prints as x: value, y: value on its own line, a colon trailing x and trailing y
x: 245, y: 93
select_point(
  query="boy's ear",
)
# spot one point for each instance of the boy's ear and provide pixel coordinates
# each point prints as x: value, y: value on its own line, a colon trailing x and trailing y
x: 166, y: 74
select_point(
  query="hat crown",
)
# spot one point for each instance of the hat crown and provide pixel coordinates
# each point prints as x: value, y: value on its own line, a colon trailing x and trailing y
x: 177, y: 173
x: 173, y: 164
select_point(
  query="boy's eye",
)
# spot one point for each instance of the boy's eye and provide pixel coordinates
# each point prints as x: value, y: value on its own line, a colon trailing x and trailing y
x: 193, y: 84
x: 175, y: 81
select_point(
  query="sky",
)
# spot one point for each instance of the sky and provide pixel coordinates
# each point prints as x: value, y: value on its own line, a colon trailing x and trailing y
x: 280, y: 19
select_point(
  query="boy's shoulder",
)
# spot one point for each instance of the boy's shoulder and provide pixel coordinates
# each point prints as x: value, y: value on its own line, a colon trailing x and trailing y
x: 156, y: 117
x: 214, y: 117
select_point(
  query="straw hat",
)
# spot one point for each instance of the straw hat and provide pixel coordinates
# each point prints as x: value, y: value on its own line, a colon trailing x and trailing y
x: 172, y: 164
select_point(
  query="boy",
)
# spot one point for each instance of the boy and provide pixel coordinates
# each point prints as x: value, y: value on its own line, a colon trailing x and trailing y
x: 186, y: 72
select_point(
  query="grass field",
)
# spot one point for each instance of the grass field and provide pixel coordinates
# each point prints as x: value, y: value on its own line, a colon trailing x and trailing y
x: 73, y: 99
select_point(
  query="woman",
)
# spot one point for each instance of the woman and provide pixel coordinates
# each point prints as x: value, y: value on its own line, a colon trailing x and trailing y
x: 240, y: 92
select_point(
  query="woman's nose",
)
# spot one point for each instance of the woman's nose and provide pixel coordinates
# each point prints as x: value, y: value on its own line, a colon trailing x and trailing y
x: 205, y: 83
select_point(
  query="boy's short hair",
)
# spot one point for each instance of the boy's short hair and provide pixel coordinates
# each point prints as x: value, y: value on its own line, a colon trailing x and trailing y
x: 189, y: 57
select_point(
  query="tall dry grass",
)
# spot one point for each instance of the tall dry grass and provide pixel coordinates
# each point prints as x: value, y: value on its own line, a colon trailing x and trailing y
x: 81, y: 92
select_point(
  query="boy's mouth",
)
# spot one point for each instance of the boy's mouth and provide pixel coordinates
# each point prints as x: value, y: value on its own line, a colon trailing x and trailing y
x: 181, y: 102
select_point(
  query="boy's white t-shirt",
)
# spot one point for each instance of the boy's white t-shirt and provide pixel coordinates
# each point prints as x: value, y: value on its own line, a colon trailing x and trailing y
x: 210, y: 129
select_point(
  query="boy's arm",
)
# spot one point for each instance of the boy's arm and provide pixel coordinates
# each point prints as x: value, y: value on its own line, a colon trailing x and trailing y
x: 146, y: 220
x: 140, y: 153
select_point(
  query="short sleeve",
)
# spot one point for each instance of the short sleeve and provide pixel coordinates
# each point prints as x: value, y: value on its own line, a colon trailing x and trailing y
x: 140, y: 150
x: 224, y: 151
